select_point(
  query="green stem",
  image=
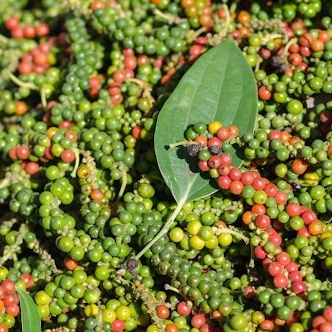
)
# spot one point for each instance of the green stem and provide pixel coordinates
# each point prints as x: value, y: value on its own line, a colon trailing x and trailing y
x: 44, y: 255
x: 4, y: 183
x: 78, y: 7
x: 225, y: 230
x: 252, y: 257
x: 259, y: 61
x: 123, y: 186
x: 173, y: 145
x: 19, y: 82
x: 233, y: 6
x: 194, y: 34
x: 162, y: 232
x: 227, y: 25
x: 77, y: 162
x: 43, y: 98
x: 169, y: 18
x: 10, y: 251
x: 272, y: 36
x: 99, y: 326
x: 146, y: 88
x: 173, y: 289
x: 288, y: 45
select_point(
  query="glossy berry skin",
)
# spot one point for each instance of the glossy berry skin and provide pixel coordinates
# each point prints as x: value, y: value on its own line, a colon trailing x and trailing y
x: 218, y: 220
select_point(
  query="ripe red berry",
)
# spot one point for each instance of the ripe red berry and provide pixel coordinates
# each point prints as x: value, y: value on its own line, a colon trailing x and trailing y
x: 183, y: 308
x: 295, y: 276
x: 224, y: 169
x: 291, y: 266
x: 226, y: 158
x: 42, y: 30
x: 22, y: 152
x: 303, y: 231
x: 266, y: 262
x: 223, y: 133
x: 27, y: 279
x: 118, y: 325
x: 325, y: 327
x: 198, y: 320
x: 29, y: 31
x: 67, y: 156
x: 32, y: 168
x: 13, y: 310
x: 12, y: 153
x: 17, y: 33
x: 264, y: 93
x: 293, y: 209
x: 274, y: 134
x: 236, y: 187
x: 235, y: 174
x: 271, y: 189
x: 317, y: 321
x: 224, y: 181
x: 214, y: 141
x: 263, y: 221
x: 203, y: 166
x: 281, y: 197
x: 259, y: 183
x: 258, y: 209
x: 214, y: 162
x: 280, y: 281
x: 136, y: 132
x: 283, y: 258
x: 8, y: 286
x: 327, y: 314
x: 248, y: 177
x: 12, y: 23
x: 275, y: 239
x: 275, y: 268
x: 308, y: 216
x: 260, y: 252
x: 162, y: 311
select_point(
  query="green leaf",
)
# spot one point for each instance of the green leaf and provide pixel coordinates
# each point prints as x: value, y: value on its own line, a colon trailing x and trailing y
x: 220, y: 85
x: 30, y: 318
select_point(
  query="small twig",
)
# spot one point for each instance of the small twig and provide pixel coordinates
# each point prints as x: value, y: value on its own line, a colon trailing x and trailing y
x: 169, y: 18
x: 147, y: 90
x: 252, y: 257
x: 19, y: 82
x: 173, y: 289
x: 43, y: 98
x: 78, y: 7
x: 77, y: 162
x: 272, y: 36
x: 288, y: 45
x: 44, y: 255
x: 162, y: 232
x: 227, y: 24
x: 194, y: 34
x: 10, y: 251
x: 226, y: 230
x: 5, y: 182
x: 233, y: 6
x: 90, y: 162
x: 124, y: 182
x: 173, y: 145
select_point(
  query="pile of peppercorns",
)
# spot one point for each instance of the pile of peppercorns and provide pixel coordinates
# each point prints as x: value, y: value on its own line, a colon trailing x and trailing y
x: 84, y: 205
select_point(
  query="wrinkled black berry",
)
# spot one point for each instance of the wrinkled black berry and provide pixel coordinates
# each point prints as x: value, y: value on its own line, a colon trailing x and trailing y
x: 275, y: 63
x: 132, y: 264
x: 193, y: 149
x: 214, y: 149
